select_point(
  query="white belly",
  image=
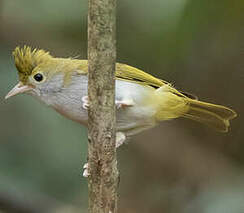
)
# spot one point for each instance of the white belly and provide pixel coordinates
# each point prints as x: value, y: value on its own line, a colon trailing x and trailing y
x: 130, y: 120
x: 141, y: 115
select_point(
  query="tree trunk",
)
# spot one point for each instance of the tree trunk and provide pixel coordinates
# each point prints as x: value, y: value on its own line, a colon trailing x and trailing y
x: 103, y: 179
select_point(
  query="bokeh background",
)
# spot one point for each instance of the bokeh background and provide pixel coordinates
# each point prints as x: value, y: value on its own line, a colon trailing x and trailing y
x: 177, y: 167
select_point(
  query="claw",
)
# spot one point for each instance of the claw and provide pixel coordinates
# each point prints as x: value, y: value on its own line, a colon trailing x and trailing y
x: 85, y: 101
x: 85, y: 172
x: 119, y: 104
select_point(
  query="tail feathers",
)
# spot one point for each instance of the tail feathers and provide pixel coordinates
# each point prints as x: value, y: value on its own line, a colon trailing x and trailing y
x: 215, y: 116
x: 173, y: 104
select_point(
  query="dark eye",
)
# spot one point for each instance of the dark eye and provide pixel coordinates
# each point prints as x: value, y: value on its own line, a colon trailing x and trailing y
x: 38, y: 77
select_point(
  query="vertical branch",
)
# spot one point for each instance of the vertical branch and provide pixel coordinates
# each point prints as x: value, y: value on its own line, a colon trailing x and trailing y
x: 103, y: 179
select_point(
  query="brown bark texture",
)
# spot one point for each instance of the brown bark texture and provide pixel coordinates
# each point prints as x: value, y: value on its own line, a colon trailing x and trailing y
x: 103, y: 179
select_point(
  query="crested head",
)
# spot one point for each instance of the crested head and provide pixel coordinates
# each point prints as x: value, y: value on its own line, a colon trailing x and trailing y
x: 47, y: 77
x: 27, y: 59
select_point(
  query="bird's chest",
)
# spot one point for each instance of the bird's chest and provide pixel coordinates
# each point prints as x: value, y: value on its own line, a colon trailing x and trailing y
x: 69, y: 103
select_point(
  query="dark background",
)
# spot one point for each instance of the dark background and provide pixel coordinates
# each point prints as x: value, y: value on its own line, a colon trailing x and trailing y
x: 178, y: 167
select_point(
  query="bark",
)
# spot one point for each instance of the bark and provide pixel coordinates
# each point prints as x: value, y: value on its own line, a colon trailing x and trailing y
x: 103, y: 179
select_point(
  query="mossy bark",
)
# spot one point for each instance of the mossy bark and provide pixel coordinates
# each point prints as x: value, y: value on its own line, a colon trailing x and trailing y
x: 103, y: 179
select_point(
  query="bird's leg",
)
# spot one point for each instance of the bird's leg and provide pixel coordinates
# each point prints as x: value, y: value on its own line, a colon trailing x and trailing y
x: 120, y: 139
x: 120, y: 136
x: 119, y: 104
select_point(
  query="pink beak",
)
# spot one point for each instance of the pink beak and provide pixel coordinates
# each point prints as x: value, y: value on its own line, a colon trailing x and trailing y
x: 19, y: 88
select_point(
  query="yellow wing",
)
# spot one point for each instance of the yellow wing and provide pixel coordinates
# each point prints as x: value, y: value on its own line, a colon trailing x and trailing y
x: 129, y: 73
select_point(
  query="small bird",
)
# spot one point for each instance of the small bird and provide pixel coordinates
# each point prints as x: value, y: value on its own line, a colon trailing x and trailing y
x: 142, y: 101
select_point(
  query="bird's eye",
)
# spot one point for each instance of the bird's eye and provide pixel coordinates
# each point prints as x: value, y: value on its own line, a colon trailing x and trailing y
x: 38, y: 77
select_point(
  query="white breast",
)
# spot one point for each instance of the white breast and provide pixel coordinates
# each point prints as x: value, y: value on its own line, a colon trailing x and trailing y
x: 130, y: 120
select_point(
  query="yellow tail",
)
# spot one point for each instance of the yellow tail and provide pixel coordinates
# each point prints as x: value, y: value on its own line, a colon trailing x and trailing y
x: 215, y: 116
x: 173, y: 104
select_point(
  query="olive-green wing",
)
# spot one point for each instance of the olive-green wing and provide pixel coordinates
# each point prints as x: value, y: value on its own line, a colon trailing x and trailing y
x: 129, y: 73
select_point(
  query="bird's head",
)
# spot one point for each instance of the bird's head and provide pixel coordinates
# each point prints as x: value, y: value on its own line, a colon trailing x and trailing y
x: 38, y: 72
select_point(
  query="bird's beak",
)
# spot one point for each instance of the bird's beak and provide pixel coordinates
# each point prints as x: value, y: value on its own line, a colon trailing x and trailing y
x: 19, y: 88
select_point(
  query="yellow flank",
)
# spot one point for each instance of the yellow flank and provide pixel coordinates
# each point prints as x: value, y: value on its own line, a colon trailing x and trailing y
x: 169, y: 104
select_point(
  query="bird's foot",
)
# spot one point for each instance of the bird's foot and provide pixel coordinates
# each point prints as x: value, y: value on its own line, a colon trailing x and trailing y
x: 85, y: 101
x: 85, y: 170
x: 120, y: 139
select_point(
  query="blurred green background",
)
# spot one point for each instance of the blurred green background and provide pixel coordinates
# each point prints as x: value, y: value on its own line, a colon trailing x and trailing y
x: 179, y: 166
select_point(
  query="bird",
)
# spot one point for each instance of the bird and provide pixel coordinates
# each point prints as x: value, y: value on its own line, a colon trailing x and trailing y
x: 142, y: 100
